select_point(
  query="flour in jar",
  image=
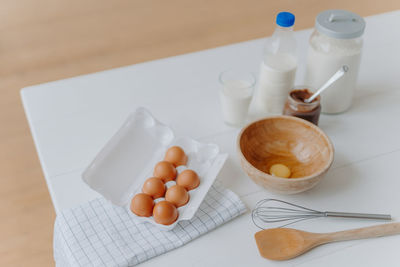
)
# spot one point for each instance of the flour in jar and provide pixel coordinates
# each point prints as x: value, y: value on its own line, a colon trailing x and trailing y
x: 321, y: 66
x: 336, y: 41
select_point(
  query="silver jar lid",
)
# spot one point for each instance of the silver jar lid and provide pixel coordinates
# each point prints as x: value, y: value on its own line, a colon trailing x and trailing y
x: 340, y: 24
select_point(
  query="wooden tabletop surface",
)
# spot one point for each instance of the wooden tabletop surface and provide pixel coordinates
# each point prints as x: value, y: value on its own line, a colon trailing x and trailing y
x: 45, y: 40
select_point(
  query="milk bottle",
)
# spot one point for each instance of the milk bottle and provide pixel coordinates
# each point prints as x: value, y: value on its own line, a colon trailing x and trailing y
x: 278, y: 69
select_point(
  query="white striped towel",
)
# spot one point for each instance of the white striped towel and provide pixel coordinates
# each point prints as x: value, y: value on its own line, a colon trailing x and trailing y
x: 98, y: 233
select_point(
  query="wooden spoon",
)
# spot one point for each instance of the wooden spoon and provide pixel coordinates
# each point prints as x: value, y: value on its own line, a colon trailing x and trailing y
x: 287, y: 243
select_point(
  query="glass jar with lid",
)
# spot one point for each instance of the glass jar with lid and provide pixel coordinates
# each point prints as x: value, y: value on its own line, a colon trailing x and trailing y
x: 336, y: 41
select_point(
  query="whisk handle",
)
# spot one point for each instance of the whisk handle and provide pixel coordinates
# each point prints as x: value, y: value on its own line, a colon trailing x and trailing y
x: 358, y: 215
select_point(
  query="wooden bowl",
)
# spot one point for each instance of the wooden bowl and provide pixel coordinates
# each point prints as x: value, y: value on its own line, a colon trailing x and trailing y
x: 294, y: 142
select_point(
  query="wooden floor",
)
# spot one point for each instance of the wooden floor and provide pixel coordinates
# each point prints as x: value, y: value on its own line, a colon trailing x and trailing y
x: 44, y: 40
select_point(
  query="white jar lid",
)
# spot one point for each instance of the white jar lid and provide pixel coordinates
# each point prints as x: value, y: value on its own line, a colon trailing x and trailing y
x: 340, y: 24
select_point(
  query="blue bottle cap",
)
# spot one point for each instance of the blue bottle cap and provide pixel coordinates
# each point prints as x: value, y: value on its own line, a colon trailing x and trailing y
x: 285, y: 19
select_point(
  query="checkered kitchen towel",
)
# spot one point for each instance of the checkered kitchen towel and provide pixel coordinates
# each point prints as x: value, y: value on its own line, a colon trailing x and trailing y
x: 99, y: 233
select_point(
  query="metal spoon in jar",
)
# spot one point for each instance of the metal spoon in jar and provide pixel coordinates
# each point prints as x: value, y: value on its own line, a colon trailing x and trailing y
x: 328, y: 83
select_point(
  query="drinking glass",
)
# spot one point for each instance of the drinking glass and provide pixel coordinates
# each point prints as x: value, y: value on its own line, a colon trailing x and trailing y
x: 237, y: 87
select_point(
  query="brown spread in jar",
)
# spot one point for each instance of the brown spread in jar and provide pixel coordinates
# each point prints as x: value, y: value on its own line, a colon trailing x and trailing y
x: 296, y: 106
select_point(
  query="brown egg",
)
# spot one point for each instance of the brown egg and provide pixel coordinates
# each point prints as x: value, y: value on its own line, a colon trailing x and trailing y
x: 154, y: 187
x: 176, y: 156
x: 177, y: 195
x: 165, y: 171
x: 165, y: 213
x: 142, y: 205
x: 188, y: 179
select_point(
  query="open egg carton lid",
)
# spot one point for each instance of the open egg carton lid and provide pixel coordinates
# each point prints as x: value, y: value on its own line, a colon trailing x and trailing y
x: 128, y: 159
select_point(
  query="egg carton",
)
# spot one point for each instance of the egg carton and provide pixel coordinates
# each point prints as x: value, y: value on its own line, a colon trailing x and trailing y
x: 128, y: 159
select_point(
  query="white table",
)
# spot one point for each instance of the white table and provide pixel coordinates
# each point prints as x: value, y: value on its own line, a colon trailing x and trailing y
x: 72, y: 119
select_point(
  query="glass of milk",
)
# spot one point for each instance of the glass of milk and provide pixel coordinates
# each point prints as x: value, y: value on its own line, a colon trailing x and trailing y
x: 237, y: 87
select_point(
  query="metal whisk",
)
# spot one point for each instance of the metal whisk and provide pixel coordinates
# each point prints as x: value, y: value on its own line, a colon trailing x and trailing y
x: 276, y: 211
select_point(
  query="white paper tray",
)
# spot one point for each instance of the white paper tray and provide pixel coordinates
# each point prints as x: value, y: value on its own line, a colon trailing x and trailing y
x: 127, y: 160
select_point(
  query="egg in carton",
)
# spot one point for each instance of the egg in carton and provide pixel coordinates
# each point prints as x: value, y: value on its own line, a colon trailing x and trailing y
x: 123, y: 165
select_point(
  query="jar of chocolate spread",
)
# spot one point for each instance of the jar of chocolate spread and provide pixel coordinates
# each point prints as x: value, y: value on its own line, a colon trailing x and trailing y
x: 295, y: 105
